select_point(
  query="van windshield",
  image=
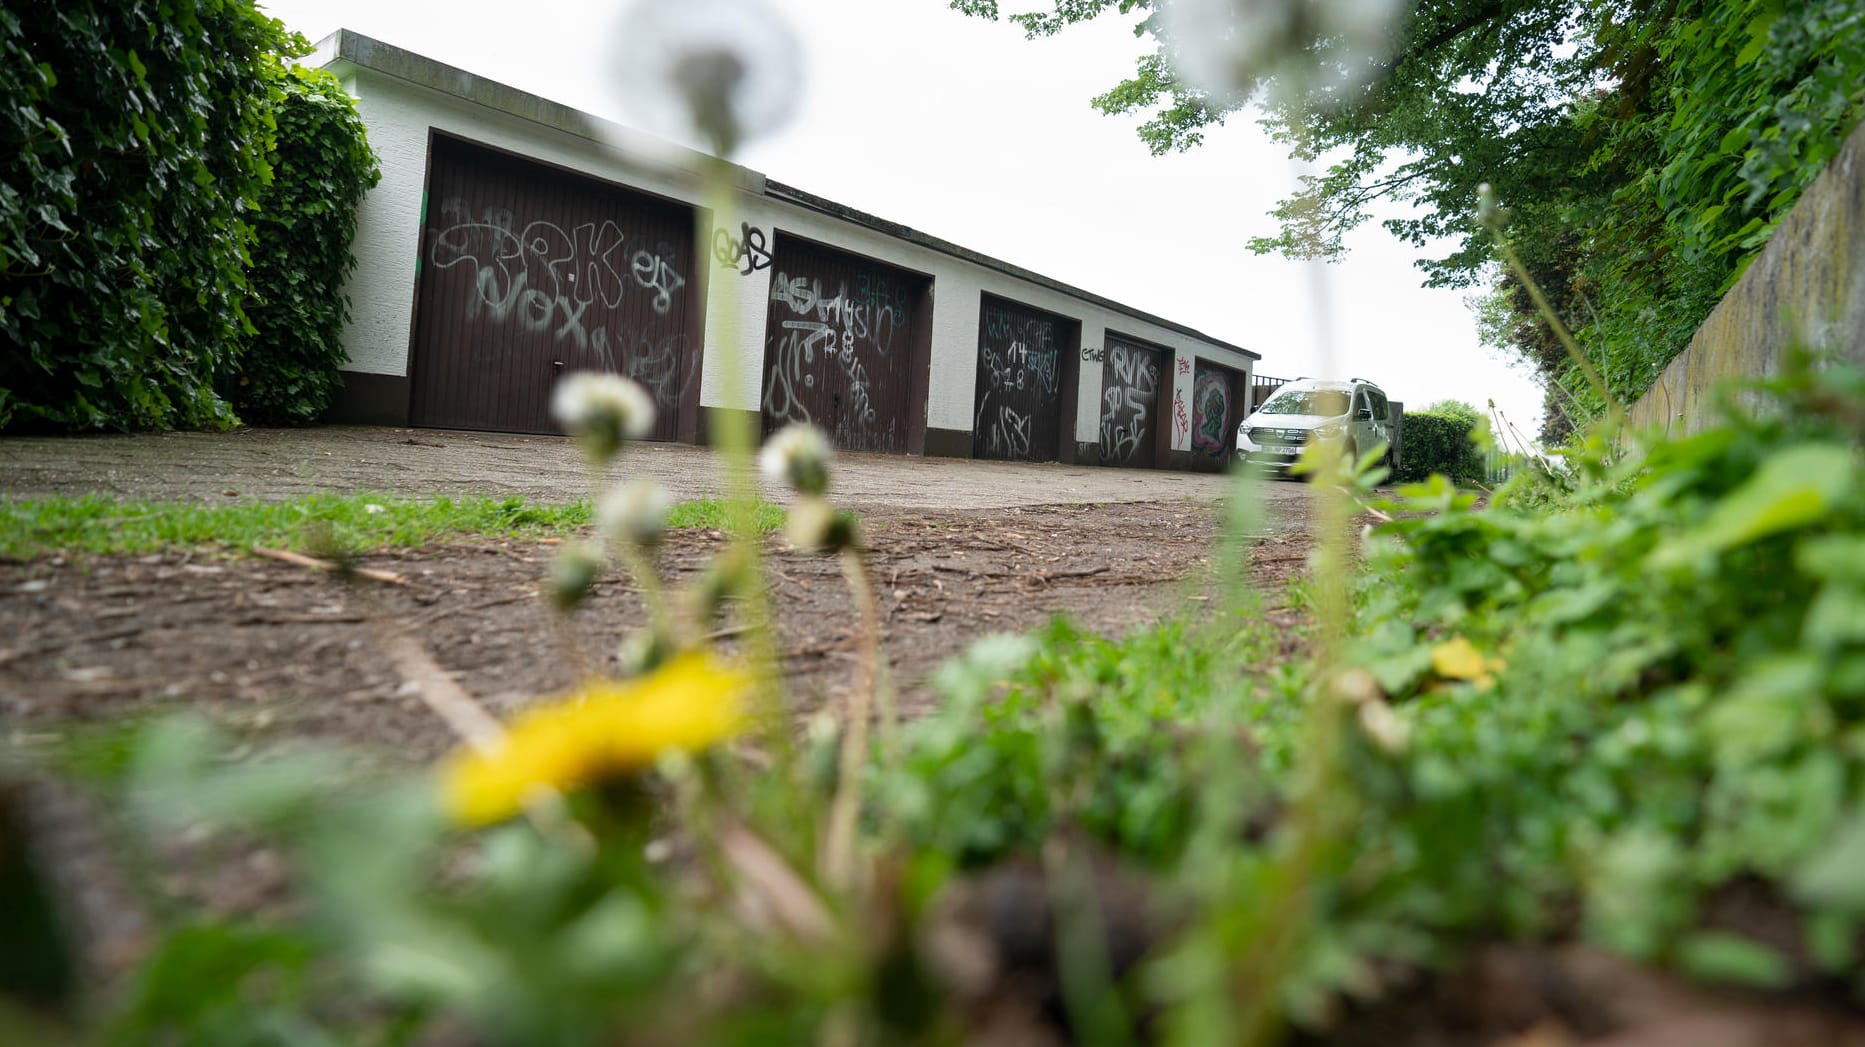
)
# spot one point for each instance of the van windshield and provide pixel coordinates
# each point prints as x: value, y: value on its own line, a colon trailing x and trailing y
x: 1324, y: 402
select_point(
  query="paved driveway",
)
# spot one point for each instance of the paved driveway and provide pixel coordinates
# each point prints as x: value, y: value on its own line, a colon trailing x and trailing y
x: 281, y: 463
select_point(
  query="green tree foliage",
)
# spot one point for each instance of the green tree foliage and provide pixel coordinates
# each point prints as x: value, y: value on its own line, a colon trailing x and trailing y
x: 1727, y: 111
x: 136, y: 133
x: 1646, y: 149
x: 321, y: 165
x: 1454, y: 409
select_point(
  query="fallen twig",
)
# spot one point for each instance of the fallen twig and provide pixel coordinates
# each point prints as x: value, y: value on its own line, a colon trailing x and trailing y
x: 771, y: 892
x: 978, y: 542
x: 457, y: 709
x: 301, y: 619
x: 1088, y: 572
x: 817, y: 650
x: 445, y: 611
x: 969, y: 573
x: 8, y: 657
x: 1383, y: 517
x: 301, y: 560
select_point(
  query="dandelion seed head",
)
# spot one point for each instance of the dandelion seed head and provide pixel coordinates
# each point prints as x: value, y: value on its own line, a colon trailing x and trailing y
x: 722, y: 70
x: 635, y: 513
x: 798, y: 455
x: 810, y: 524
x: 1356, y: 685
x: 1488, y: 207
x: 1385, y: 726
x: 573, y: 572
x: 602, y: 411
x: 1318, y: 50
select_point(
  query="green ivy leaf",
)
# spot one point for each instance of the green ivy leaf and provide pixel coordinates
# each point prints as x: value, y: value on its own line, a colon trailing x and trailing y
x: 1833, y: 558
x: 1725, y: 957
x: 1831, y: 877
x: 1792, y: 489
x: 1773, y: 706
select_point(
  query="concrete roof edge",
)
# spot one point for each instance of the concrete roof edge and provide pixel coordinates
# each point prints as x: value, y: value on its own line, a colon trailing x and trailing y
x: 348, y: 47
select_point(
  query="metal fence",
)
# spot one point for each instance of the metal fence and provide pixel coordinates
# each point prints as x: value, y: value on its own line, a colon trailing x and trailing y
x: 1262, y: 387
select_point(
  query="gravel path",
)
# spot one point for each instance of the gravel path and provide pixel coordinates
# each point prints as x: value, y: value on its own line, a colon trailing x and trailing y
x: 274, y: 464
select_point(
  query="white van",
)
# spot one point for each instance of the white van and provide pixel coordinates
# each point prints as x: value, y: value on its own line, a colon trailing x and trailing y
x: 1353, y: 414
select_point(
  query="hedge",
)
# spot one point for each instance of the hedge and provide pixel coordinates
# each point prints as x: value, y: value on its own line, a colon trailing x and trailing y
x: 286, y: 371
x: 1436, y: 443
x: 132, y: 181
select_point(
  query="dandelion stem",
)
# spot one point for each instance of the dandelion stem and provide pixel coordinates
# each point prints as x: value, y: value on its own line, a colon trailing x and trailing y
x: 661, y: 619
x: 732, y: 432
x: 1615, y: 413
x: 839, y: 843
x: 1281, y: 912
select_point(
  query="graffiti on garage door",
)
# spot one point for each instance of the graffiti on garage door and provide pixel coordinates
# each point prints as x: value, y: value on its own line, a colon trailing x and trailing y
x: 1019, y: 398
x: 568, y: 284
x: 530, y: 272
x: 1129, y: 398
x: 838, y: 346
x: 1211, y: 393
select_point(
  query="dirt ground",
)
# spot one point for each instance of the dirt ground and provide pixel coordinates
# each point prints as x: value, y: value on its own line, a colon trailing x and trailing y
x: 270, y: 645
x: 279, y: 653
x: 278, y: 463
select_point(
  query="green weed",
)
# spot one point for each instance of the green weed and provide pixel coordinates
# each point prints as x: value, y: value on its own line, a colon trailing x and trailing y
x: 99, y: 525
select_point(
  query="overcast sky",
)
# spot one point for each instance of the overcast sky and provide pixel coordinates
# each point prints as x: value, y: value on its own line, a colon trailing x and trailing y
x: 965, y: 130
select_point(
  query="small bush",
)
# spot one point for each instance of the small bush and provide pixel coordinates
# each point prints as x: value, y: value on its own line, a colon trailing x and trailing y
x: 1436, y: 443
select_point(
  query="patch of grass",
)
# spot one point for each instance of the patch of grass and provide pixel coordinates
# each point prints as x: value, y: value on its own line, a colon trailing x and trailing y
x: 709, y: 513
x: 97, y: 525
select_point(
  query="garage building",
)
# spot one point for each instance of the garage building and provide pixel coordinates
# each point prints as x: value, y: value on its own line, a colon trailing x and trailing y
x: 512, y: 240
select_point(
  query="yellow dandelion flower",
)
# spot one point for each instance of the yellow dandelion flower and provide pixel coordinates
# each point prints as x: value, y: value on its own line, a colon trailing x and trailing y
x: 602, y: 730
x: 1459, y: 659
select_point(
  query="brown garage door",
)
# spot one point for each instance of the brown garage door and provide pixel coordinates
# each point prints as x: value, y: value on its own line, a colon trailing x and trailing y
x: 528, y: 273
x: 840, y: 345
x: 1130, y: 379
x: 1020, y: 380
